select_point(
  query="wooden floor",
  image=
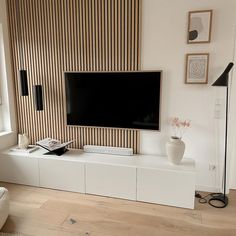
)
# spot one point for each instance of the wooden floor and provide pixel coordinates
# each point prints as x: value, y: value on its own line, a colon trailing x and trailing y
x: 45, y: 212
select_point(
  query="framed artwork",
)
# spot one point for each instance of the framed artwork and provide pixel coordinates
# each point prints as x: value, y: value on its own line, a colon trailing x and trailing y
x: 199, y: 26
x: 197, y: 68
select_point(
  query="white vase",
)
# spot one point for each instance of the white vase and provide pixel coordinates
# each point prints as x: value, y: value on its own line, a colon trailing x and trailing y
x: 175, y: 148
x: 23, y: 141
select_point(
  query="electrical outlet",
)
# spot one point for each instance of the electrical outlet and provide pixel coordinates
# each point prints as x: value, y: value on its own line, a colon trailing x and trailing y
x: 217, y: 114
x: 218, y: 110
x: 212, y: 167
x: 219, y: 101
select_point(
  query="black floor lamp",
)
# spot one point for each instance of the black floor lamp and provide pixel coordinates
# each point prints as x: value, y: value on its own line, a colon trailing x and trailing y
x: 221, y: 197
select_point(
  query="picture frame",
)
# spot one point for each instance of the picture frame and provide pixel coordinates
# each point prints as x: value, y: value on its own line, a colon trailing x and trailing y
x: 197, y: 68
x: 199, y: 26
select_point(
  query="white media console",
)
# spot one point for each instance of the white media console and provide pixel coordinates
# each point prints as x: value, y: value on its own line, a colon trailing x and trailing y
x: 140, y: 177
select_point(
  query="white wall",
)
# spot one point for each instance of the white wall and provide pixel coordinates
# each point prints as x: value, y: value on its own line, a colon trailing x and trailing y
x: 232, y: 133
x: 164, y: 31
x: 7, y: 87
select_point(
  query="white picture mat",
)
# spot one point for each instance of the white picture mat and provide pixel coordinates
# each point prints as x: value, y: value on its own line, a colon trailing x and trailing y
x: 200, y: 26
x: 197, y: 68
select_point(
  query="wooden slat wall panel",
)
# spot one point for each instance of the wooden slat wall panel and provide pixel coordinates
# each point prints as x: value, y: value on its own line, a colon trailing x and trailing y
x: 71, y: 35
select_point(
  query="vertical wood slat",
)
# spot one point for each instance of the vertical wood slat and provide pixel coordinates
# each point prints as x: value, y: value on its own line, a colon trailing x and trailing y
x: 70, y: 35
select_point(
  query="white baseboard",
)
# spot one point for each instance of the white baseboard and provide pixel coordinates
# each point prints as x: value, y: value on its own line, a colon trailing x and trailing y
x: 210, y: 189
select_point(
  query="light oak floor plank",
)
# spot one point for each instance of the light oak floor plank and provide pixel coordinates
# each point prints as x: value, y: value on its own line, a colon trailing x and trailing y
x: 39, y: 211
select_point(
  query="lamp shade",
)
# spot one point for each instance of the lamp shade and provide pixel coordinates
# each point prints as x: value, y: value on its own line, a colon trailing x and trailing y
x: 38, y: 97
x: 223, y: 79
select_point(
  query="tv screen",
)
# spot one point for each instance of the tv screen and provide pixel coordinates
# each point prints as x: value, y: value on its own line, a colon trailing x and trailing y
x: 113, y: 99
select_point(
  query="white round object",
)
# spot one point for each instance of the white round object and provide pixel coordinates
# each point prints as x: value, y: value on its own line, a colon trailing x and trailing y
x: 175, y: 148
x: 4, y: 206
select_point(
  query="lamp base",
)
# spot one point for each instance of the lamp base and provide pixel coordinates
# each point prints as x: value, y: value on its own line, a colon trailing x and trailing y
x: 219, y: 200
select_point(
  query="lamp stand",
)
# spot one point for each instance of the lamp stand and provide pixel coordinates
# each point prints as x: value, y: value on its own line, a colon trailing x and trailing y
x: 221, y: 197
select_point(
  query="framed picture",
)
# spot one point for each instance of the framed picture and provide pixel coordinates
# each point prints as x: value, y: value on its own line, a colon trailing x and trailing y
x: 199, y: 26
x: 197, y: 68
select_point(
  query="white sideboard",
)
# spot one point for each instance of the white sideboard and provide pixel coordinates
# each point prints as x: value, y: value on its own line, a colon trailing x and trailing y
x: 111, y: 180
x: 15, y: 169
x: 146, y: 178
x: 62, y: 174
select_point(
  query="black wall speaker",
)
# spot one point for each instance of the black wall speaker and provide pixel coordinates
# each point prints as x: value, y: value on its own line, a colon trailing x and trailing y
x: 23, y: 83
x: 38, y: 97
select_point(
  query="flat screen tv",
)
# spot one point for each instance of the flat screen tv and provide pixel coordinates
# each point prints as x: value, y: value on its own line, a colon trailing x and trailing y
x: 114, y: 99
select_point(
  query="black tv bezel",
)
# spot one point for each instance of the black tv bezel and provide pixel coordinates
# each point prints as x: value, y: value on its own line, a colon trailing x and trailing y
x: 117, y: 128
